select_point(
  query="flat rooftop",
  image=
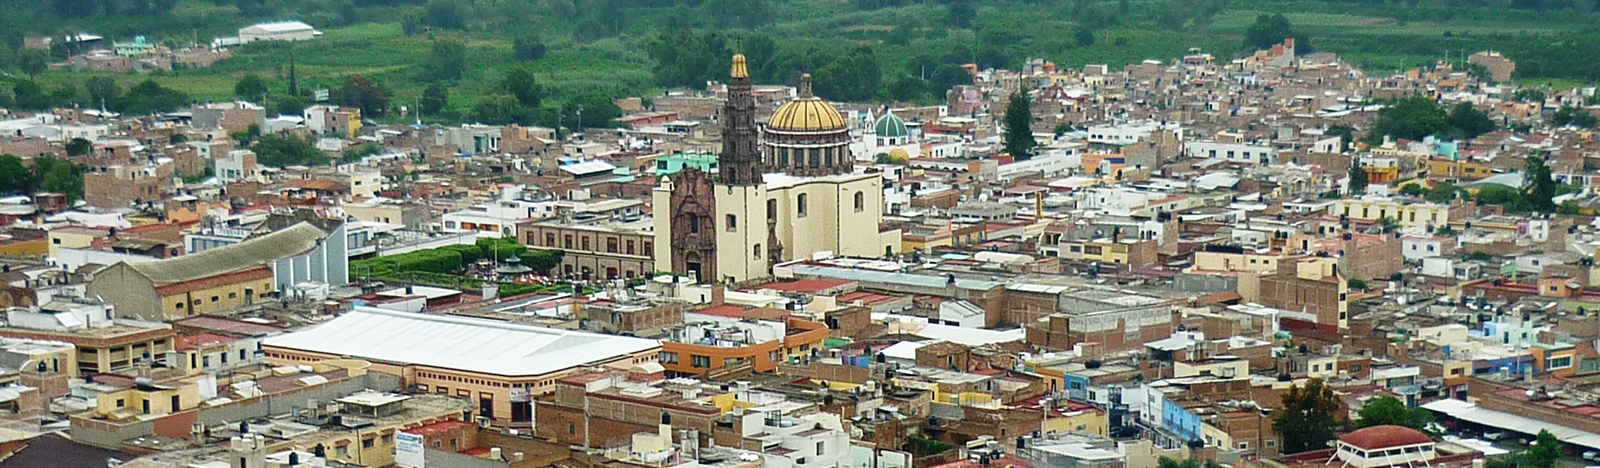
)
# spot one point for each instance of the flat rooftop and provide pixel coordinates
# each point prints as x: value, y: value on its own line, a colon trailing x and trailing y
x: 459, y: 343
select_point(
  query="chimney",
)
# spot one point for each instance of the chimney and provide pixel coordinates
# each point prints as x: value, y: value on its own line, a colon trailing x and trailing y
x: 494, y: 454
x: 718, y: 294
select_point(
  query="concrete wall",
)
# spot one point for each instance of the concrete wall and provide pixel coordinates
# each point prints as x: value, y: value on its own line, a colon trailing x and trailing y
x: 107, y: 434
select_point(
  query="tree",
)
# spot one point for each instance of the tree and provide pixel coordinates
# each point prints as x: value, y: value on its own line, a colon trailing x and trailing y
x: 446, y: 14
x: 1165, y: 462
x: 960, y: 14
x: 1083, y: 35
x: 52, y: 174
x: 33, y: 61
x: 1307, y: 420
x: 365, y: 94
x: 1410, y: 118
x: 526, y: 49
x: 500, y: 109
x: 434, y: 99
x: 79, y: 147
x: 28, y: 95
x: 1019, y: 126
x: 149, y: 97
x: 1540, y: 187
x: 1544, y: 452
x: 1357, y: 184
x: 1356, y: 283
x: 590, y: 110
x: 1572, y: 116
x: 251, y: 86
x: 288, y: 150
x: 852, y: 76
x: 1268, y: 30
x: 15, y: 178
x: 948, y: 76
x: 1509, y: 197
x: 1469, y: 122
x: 1390, y: 411
x: 445, y: 61
x: 1443, y: 192
x: 519, y: 83
x: 102, y: 90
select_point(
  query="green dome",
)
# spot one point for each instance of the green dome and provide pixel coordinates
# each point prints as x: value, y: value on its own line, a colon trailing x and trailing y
x: 890, y: 126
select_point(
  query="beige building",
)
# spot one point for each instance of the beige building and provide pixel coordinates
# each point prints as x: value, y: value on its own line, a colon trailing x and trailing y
x: 412, y: 216
x: 213, y: 280
x: 1237, y: 260
x: 1408, y: 214
x: 501, y: 372
x: 838, y: 214
x: 74, y: 237
x: 600, y: 248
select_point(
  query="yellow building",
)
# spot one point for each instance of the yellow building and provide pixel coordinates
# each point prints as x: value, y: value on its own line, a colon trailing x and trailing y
x: 792, y: 196
x: 1245, y: 261
x: 1458, y: 170
x: 380, y: 416
x: 1408, y: 214
x: 74, y: 237
x: 150, y: 399
x: 501, y: 373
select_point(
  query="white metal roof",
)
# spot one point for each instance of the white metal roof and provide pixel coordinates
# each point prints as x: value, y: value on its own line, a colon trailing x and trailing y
x: 460, y: 343
x: 1469, y: 412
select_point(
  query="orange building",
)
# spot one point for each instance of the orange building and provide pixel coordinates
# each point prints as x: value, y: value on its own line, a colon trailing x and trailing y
x: 727, y: 340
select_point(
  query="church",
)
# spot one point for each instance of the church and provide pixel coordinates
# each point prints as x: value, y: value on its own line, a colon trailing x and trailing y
x: 786, y: 191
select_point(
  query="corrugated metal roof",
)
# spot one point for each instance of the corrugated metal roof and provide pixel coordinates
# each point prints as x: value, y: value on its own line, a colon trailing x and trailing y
x: 461, y: 343
x: 1469, y: 412
x: 909, y: 279
x: 588, y: 167
x: 259, y: 251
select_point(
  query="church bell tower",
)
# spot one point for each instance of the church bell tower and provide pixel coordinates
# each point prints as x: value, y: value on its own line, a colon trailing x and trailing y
x: 740, y: 163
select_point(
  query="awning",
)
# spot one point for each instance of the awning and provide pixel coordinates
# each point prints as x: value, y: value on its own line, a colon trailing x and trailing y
x: 1472, y: 413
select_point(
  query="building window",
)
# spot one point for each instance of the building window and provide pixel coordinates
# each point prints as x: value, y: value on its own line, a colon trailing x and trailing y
x: 702, y: 362
x: 572, y: 428
x: 800, y: 205
x: 630, y: 247
x: 669, y: 358
x: 611, y: 245
x: 861, y: 202
x: 233, y: 295
x: 756, y: 252
x: 568, y: 240
x: 694, y: 222
x: 772, y: 209
x: 214, y: 299
x: 367, y: 443
x: 585, y: 242
x: 1558, y: 363
x: 550, y: 239
x: 733, y: 223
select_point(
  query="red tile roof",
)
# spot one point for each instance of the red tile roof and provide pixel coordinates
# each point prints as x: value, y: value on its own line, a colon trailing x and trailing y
x: 438, y: 427
x: 227, y: 325
x: 1381, y: 437
x: 215, y: 281
x: 202, y: 340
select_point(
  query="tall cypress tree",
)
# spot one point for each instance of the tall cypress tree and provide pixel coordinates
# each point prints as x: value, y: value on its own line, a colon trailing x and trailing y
x: 1019, y: 126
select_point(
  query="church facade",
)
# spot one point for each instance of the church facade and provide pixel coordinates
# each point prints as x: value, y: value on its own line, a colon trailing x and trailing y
x: 734, y: 225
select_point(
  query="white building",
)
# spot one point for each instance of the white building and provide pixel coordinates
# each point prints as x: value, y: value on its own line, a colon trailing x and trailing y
x: 238, y: 165
x: 281, y: 31
x: 1242, y: 153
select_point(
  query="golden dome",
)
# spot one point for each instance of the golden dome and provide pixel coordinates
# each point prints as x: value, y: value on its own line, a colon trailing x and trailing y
x: 806, y: 115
